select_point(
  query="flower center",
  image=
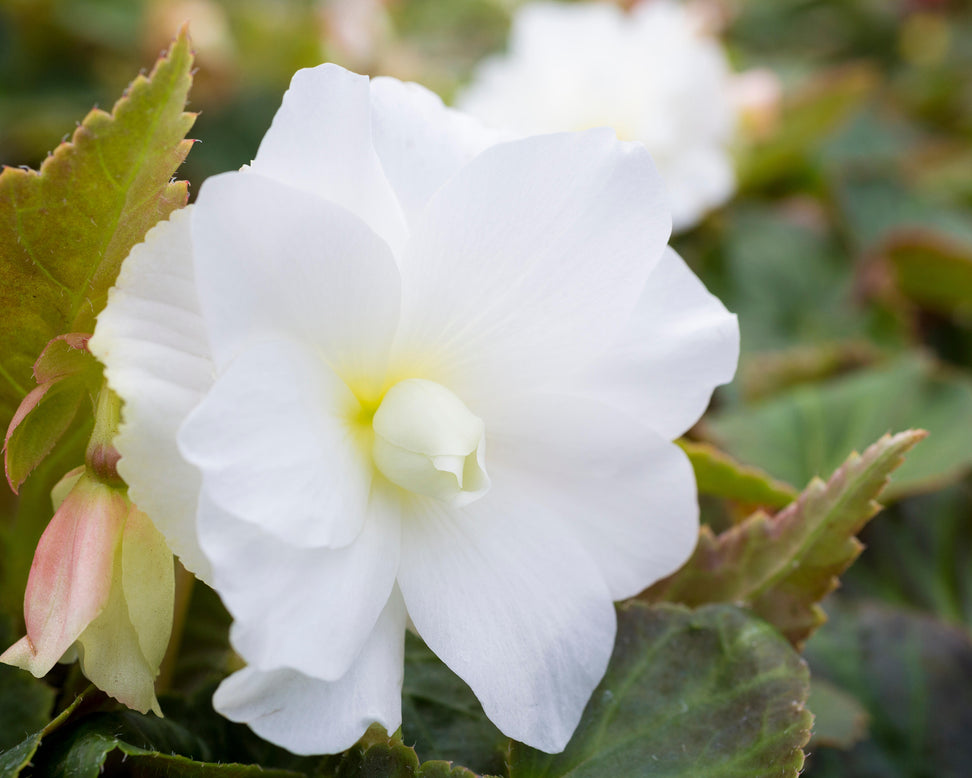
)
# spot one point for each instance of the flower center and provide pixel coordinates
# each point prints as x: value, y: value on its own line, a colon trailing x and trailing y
x: 428, y: 442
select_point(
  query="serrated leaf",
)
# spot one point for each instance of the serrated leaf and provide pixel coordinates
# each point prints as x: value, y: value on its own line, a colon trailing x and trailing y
x: 442, y: 718
x: 931, y: 269
x: 807, y: 432
x: 781, y: 566
x: 65, y: 230
x: 720, y: 475
x: 714, y: 692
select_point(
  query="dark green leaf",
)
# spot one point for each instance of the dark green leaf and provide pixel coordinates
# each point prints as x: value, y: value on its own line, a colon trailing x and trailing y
x: 714, y: 692
x: 913, y: 674
x: 149, y: 747
x: 442, y: 718
x: 25, y: 702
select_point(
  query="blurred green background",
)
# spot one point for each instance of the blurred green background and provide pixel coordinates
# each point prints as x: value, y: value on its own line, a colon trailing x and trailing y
x: 847, y: 254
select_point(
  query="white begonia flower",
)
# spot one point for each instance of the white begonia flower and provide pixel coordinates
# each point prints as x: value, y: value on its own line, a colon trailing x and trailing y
x: 396, y: 372
x: 653, y: 74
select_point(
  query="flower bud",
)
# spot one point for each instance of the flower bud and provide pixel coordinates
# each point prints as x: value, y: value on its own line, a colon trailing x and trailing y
x: 101, y: 586
x: 428, y: 442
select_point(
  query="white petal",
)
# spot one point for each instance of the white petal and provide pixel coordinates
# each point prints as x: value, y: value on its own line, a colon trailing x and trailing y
x: 276, y: 448
x: 528, y: 261
x: 628, y: 494
x: 680, y: 344
x: 152, y: 341
x: 309, y: 716
x: 320, y: 141
x: 505, y: 595
x: 306, y: 609
x: 271, y: 261
x: 421, y: 142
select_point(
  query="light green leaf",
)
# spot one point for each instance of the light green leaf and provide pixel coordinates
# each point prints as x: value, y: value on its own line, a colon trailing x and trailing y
x: 839, y: 719
x: 808, y: 431
x: 714, y: 692
x: 782, y: 566
x: 66, y: 374
x: 65, y: 230
x: 720, y: 475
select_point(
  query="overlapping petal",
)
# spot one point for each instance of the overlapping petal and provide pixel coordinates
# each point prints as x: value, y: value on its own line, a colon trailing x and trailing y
x: 295, y: 267
x: 421, y: 143
x: 627, y: 494
x: 504, y: 594
x: 305, y: 609
x: 528, y: 261
x: 321, y: 141
x: 310, y: 716
x: 679, y: 344
x: 152, y: 340
x: 274, y: 444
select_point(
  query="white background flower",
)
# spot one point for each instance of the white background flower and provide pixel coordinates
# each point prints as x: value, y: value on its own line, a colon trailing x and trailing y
x: 653, y: 74
x: 377, y: 238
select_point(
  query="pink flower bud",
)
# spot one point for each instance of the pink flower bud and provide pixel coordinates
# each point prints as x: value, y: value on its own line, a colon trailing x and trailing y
x: 102, y: 582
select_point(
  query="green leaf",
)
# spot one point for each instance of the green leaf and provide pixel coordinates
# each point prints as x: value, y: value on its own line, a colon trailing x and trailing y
x: 147, y: 746
x: 15, y: 759
x: 65, y: 230
x: 720, y: 475
x: 913, y: 674
x: 66, y: 373
x: 770, y: 287
x: 714, y: 692
x: 441, y: 716
x: 808, y: 431
x: 839, y: 719
x: 782, y: 566
x: 931, y: 270
x: 808, y: 116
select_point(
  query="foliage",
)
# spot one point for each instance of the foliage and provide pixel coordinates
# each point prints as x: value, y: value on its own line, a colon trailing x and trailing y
x: 846, y: 255
x: 782, y: 566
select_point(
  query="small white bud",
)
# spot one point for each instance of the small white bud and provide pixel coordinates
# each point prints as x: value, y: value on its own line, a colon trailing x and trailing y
x: 428, y: 442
